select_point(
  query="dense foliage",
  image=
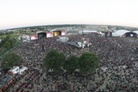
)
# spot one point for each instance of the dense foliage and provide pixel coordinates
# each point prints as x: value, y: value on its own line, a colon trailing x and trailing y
x: 71, y: 64
x: 6, y: 44
x: 10, y: 60
x: 88, y: 62
x: 56, y: 61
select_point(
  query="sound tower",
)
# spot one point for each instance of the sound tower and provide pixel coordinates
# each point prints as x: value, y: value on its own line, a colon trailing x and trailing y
x: 43, y: 48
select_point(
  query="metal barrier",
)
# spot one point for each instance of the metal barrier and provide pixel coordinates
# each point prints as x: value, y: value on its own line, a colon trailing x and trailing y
x: 15, y: 46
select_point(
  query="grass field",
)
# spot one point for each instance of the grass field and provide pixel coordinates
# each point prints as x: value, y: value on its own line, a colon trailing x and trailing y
x: 12, y: 35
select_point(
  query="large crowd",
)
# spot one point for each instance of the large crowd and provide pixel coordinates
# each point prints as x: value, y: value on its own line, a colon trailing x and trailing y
x: 118, y: 71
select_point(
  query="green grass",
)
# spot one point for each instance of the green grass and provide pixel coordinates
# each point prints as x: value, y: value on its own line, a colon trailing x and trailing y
x: 12, y: 35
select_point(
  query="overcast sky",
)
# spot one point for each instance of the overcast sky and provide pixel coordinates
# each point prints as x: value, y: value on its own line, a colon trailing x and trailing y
x: 16, y: 13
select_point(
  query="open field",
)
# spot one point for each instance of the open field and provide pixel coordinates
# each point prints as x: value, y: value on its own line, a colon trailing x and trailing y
x: 12, y: 35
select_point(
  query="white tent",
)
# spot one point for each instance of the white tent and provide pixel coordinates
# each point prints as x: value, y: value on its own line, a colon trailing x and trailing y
x: 21, y: 71
x: 119, y: 32
x: 15, y: 70
x: 88, y: 31
x: 136, y: 31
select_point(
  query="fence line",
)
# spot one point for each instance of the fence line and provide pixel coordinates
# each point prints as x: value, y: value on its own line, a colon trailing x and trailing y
x: 15, y: 46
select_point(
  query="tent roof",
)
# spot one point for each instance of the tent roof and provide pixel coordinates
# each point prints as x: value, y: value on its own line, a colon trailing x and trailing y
x: 119, y: 32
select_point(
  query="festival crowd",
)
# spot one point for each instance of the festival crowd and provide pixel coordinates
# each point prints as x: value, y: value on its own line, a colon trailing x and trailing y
x: 118, y: 71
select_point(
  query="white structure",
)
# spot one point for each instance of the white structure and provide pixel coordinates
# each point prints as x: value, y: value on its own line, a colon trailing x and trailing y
x: 26, y: 38
x: 49, y: 34
x: 79, y: 44
x: 22, y: 70
x: 104, y: 68
x: 136, y: 31
x: 40, y: 32
x: 63, y: 33
x: 33, y: 37
x: 87, y: 31
x: 120, y: 32
x: 15, y: 70
x: 63, y: 39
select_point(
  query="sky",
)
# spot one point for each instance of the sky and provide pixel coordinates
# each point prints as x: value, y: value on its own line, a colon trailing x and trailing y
x: 20, y: 13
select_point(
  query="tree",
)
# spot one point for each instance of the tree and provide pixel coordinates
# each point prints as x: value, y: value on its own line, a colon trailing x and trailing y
x: 7, y: 45
x: 10, y: 60
x: 7, y: 38
x: 54, y: 60
x: 12, y: 41
x: 2, y: 50
x: 88, y: 62
x: 71, y: 64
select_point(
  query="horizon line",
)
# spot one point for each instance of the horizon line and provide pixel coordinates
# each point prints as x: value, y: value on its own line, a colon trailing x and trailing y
x: 10, y: 28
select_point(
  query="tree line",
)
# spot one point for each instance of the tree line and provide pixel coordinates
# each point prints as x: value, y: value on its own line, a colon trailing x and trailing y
x: 57, y: 62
